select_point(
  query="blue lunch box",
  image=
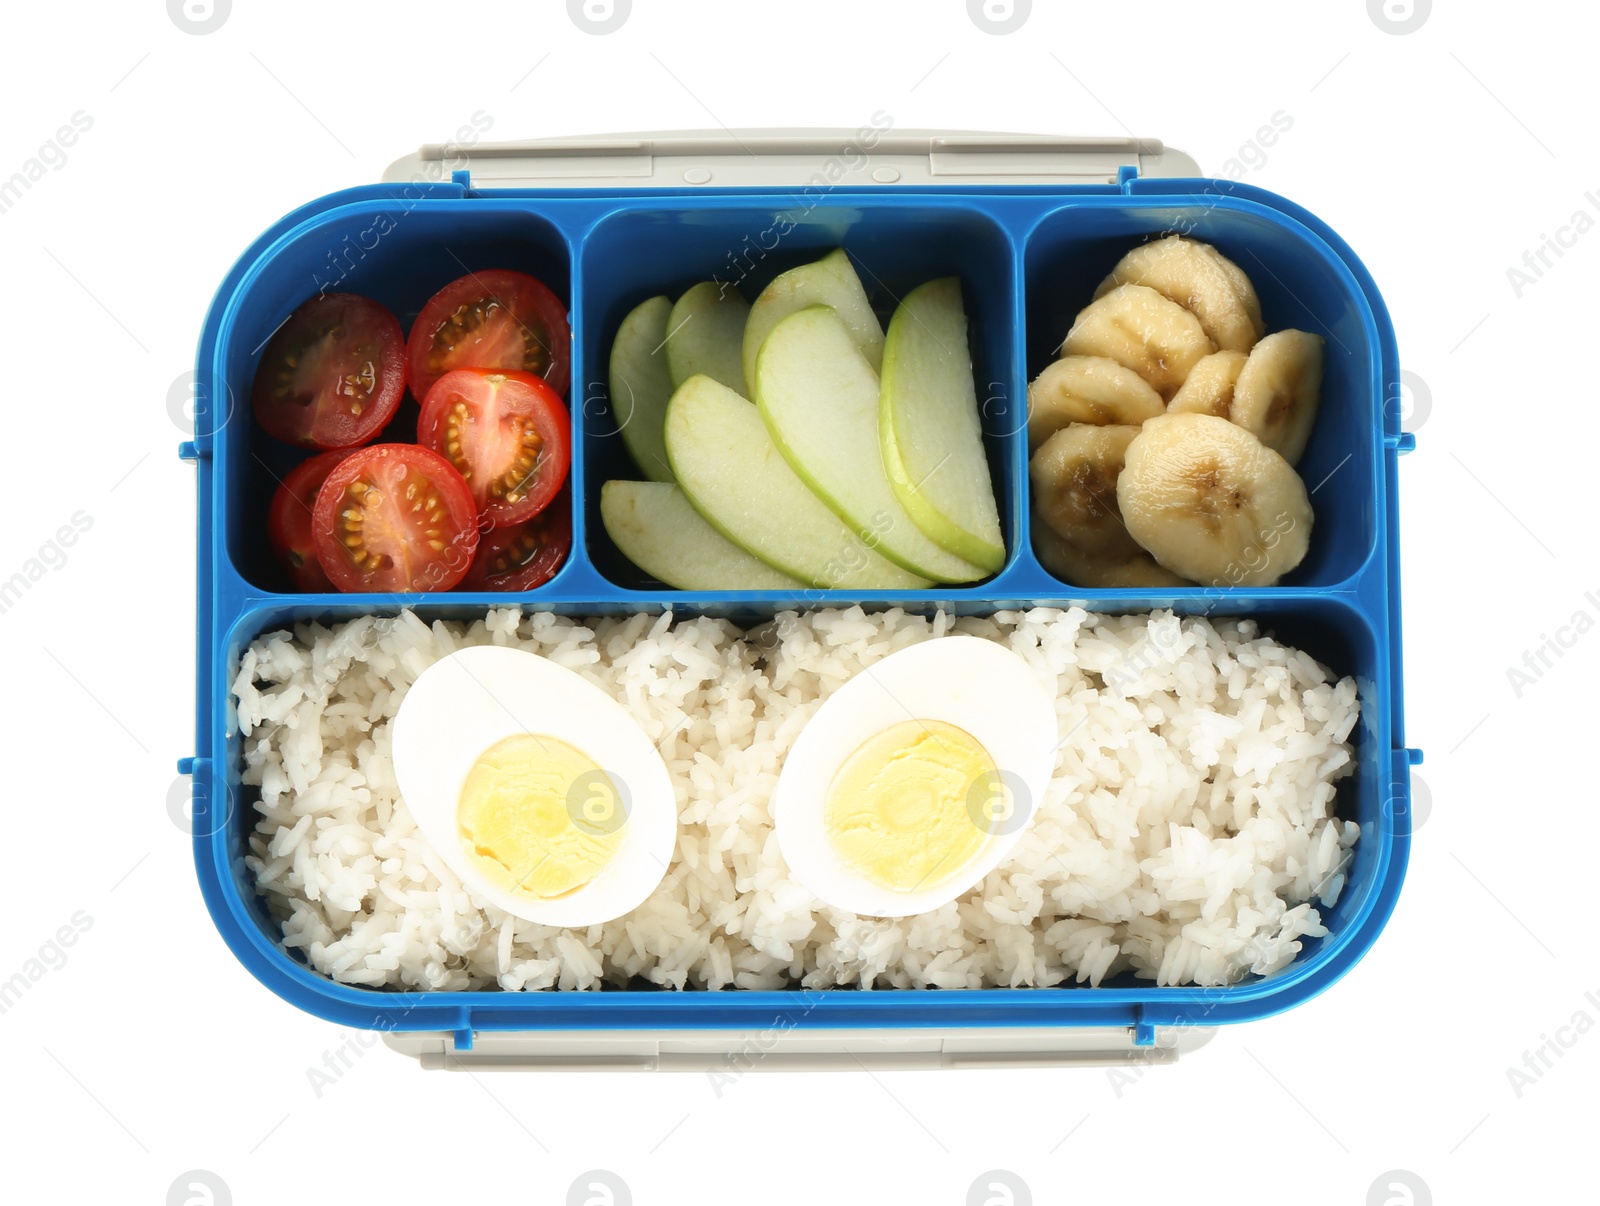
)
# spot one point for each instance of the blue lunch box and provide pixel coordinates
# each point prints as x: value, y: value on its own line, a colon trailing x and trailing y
x: 1030, y: 224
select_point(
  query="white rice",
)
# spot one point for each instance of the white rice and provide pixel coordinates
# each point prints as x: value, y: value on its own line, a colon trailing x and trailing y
x: 1188, y: 836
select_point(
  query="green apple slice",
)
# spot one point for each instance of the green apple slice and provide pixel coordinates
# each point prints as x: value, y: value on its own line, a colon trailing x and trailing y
x: 929, y: 426
x: 819, y: 398
x: 705, y: 333
x: 654, y: 526
x: 641, y: 385
x: 733, y: 475
x: 830, y: 281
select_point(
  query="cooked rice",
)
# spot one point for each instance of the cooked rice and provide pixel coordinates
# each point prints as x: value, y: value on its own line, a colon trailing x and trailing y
x: 1188, y: 835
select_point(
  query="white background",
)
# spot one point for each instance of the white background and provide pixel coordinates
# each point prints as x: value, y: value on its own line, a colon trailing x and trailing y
x: 1441, y: 155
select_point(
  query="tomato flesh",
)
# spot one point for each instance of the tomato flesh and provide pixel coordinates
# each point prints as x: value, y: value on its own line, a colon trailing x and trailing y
x: 507, y: 434
x: 497, y: 319
x: 289, y: 521
x: 333, y: 375
x: 394, y: 518
x: 525, y: 555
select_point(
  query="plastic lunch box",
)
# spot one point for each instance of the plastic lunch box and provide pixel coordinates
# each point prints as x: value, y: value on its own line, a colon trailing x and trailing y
x: 1030, y: 224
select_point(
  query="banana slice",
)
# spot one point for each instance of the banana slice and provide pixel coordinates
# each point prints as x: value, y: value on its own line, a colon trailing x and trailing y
x: 1201, y: 279
x: 1087, y: 389
x: 1141, y: 330
x: 1243, y: 287
x: 1279, y: 390
x: 1208, y: 389
x: 1074, y: 477
x: 1210, y: 501
x: 1074, y: 566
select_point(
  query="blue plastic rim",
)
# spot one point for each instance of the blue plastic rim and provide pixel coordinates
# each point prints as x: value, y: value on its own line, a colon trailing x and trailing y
x: 1028, y: 259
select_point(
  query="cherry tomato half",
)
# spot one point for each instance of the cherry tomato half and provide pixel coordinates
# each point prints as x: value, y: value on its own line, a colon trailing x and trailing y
x: 332, y: 375
x: 395, y: 517
x: 496, y: 319
x: 508, y: 434
x: 289, y: 520
x: 524, y: 555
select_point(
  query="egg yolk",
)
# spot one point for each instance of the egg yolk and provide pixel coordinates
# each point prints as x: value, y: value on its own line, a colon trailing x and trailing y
x: 900, y: 811
x: 539, y: 817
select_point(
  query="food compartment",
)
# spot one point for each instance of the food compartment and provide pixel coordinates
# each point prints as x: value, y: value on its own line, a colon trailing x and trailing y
x: 659, y: 247
x: 1301, y: 284
x: 398, y: 252
x: 1330, y: 628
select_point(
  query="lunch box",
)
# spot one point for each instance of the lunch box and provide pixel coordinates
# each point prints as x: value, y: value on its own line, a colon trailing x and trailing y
x: 1030, y: 224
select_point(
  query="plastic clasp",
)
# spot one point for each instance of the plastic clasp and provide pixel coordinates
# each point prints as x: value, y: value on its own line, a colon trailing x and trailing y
x: 1144, y: 1030
x: 1398, y: 806
x: 1401, y: 762
x: 1126, y: 175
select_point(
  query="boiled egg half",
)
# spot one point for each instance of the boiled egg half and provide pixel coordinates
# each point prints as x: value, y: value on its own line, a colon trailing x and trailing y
x: 916, y: 778
x: 534, y: 786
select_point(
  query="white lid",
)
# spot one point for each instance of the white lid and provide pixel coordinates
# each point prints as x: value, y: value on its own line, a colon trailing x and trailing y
x: 787, y: 1047
x: 871, y: 155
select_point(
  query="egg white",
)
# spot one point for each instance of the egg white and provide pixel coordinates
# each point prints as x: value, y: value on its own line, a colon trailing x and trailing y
x: 972, y: 683
x: 466, y: 702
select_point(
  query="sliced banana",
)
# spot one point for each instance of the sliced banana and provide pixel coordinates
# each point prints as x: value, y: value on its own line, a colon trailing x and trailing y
x: 1074, y: 566
x: 1141, y: 330
x: 1074, y: 477
x: 1087, y: 389
x: 1279, y: 390
x: 1210, y: 501
x: 1199, y: 278
x: 1208, y: 389
x: 1243, y: 287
